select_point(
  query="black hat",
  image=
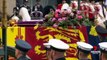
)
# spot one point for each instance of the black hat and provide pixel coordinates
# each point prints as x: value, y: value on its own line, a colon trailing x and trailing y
x: 22, y: 45
x: 101, y: 30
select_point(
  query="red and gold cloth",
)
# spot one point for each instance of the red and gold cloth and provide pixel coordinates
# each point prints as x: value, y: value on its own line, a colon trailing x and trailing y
x: 38, y: 35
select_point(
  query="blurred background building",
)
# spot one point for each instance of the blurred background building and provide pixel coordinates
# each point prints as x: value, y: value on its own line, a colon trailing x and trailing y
x: 10, y: 5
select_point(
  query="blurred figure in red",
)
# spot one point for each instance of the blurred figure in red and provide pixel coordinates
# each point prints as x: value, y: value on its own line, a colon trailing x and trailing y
x: 60, y: 5
x: 91, y: 10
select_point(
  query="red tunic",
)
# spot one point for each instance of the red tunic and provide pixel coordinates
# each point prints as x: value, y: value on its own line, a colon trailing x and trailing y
x: 81, y: 6
x: 91, y: 13
x: 59, y: 6
x: 74, y: 5
x: 85, y: 10
x: 96, y: 10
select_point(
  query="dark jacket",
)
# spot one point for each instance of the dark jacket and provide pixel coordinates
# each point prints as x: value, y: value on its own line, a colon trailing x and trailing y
x: 84, y: 59
x: 23, y: 58
x: 63, y: 58
x: 39, y: 8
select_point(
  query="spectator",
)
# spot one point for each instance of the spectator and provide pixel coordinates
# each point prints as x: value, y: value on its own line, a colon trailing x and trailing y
x: 26, y: 4
x: 46, y: 9
x: 37, y: 10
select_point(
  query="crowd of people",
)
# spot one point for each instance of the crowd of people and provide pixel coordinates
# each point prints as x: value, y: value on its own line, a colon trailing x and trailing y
x: 24, y: 12
x: 94, y: 11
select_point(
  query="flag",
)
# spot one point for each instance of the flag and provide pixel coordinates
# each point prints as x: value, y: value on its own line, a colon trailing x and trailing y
x: 38, y: 35
x: 14, y: 33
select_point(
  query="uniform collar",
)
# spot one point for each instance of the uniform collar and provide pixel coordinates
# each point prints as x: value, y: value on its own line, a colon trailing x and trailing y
x: 21, y: 57
x: 84, y: 59
x: 63, y: 58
